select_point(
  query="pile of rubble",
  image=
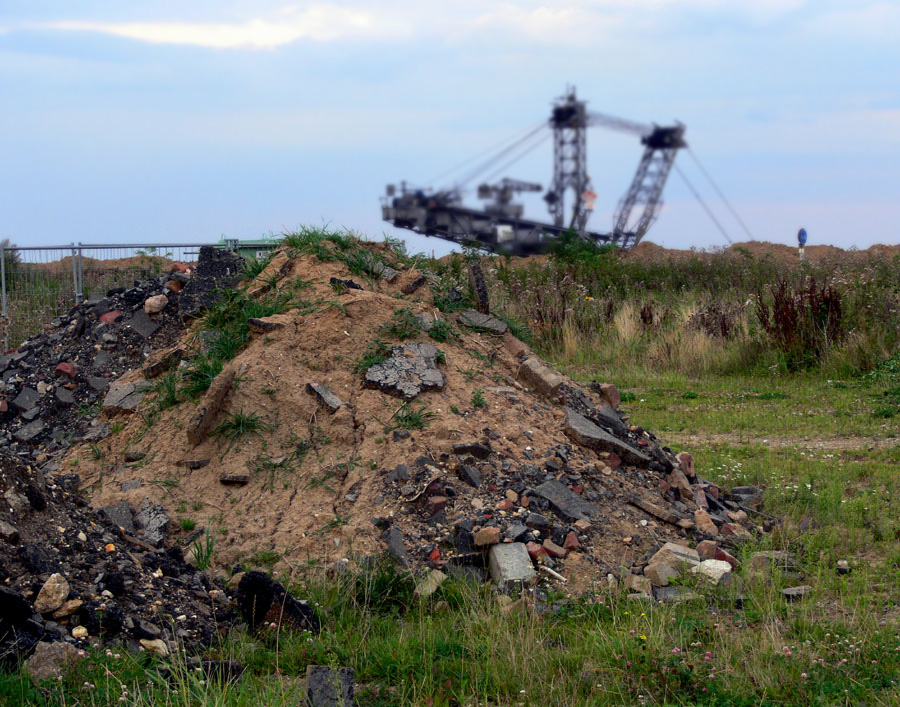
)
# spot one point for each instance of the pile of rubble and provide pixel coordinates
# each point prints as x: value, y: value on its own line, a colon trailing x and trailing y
x: 70, y: 573
x: 455, y: 448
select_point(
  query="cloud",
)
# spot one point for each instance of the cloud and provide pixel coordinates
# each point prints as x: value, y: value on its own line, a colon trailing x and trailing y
x: 574, y: 22
x: 320, y: 23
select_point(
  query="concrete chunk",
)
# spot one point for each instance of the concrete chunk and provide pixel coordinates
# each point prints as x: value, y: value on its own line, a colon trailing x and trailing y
x: 676, y: 555
x: 27, y: 399
x: 324, y: 396
x: 122, y: 397
x: 564, y: 502
x: 30, y: 431
x: 510, y: 562
x: 483, y: 322
x: 584, y: 432
x: 540, y: 378
x: 410, y: 370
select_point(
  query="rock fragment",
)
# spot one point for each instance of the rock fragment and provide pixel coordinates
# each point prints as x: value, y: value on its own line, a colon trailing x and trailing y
x: 325, y: 397
x: 482, y: 322
x: 52, y: 595
x: 263, y: 602
x: 329, y: 687
x: 410, y: 370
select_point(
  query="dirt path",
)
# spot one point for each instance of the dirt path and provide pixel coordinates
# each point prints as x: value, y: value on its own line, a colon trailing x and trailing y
x: 868, y: 443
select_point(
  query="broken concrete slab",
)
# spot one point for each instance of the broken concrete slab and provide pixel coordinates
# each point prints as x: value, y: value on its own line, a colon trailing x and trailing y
x: 540, y: 378
x: 27, y: 399
x: 393, y: 536
x: 122, y: 397
x: 414, y: 284
x: 120, y: 513
x: 660, y: 574
x: 509, y: 563
x: 325, y: 397
x: 581, y: 430
x: 161, y: 361
x: 29, y: 432
x: 482, y: 322
x: 564, y: 502
x: 266, y: 325
x: 410, y: 370
x: 202, y: 423
x: 143, y: 324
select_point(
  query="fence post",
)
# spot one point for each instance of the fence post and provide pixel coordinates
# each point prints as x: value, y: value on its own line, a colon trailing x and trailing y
x: 80, y: 294
x: 75, y: 275
x: 3, y: 295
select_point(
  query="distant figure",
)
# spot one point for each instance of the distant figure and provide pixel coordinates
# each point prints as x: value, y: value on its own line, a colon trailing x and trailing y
x: 801, y: 239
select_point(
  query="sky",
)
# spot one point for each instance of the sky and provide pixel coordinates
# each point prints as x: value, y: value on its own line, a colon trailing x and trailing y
x: 170, y: 122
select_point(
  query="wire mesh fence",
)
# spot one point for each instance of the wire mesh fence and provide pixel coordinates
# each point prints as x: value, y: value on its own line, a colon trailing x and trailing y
x: 38, y: 284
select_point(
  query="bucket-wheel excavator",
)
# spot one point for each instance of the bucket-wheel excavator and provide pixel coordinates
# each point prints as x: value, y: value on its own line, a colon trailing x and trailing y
x: 501, y: 226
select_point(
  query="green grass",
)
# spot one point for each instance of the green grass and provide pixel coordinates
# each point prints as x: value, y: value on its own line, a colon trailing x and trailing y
x: 377, y: 351
x: 238, y: 425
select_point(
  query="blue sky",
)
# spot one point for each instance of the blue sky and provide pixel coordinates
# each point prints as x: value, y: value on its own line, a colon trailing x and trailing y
x: 179, y: 122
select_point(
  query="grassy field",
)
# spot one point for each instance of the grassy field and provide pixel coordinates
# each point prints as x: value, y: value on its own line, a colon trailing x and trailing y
x: 826, y: 452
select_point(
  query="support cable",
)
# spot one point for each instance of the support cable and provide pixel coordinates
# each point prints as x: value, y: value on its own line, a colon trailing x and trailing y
x: 541, y: 140
x: 484, y: 152
x: 721, y: 195
x: 487, y: 163
x: 703, y: 204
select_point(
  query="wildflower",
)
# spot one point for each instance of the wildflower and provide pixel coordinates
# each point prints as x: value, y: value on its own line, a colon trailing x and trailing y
x: 643, y: 637
x: 804, y: 676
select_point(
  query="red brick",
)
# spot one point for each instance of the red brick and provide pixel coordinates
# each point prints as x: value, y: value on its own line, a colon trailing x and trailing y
x: 571, y: 541
x: 435, y: 504
x: 611, y: 393
x: 514, y: 346
x: 554, y: 550
x: 535, y: 550
x: 174, y: 286
x: 613, y: 461
x: 505, y: 505
x: 110, y: 317
x: 180, y: 267
x: 686, y: 459
x: 66, y: 369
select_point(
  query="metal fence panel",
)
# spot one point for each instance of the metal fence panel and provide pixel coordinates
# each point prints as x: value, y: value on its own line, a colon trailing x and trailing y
x: 38, y: 284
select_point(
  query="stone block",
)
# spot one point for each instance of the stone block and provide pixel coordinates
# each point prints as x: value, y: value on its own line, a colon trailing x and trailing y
x: 565, y: 503
x: 325, y: 397
x: 509, y: 563
x: 211, y: 406
x: 540, y: 378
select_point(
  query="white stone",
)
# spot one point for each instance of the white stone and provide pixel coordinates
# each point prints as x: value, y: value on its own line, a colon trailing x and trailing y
x: 52, y: 595
x: 713, y: 570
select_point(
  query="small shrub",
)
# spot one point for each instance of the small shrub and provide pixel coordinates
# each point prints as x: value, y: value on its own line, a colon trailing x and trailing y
x: 440, y: 331
x: 478, y: 400
x: 403, y: 325
x: 188, y: 524
x: 203, y: 548
x: 409, y: 418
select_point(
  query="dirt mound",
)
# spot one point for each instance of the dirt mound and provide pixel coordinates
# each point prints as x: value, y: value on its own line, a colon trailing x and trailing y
x: 379, y: 412
x: 649, y: 251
